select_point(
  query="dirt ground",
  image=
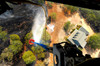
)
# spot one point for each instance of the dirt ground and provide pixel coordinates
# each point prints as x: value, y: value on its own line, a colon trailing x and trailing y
x: 58, y: 34
x: 59, y: 22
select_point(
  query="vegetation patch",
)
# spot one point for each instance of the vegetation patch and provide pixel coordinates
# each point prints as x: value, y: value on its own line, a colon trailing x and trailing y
x: 3, y: 34
x: 14, y: 47
x: 27, y: 37
x: 68, y: 10
x: 68, y: 26
x: 94, y: 41
x: 92, y: 17
x: 46, y: 38
x: 28, y: 57
x: 53, y: 16
x: 49, y: 4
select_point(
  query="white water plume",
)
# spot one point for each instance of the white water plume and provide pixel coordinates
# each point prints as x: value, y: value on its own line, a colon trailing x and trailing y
x: 39, y: 24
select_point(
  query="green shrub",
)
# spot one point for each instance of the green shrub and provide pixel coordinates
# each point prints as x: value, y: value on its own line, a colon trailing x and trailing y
x: 3, y: 35
x: 39, y: 51
x: 78, y: 27
x: 53, y: 16
x: 16, y: 44
x: 68, y: 26
x: 92, y: 18
x: 94, y: 41
x: 40, y: 1
x: 8, y: 55
x: 28, y: 37
x: 15, y: 47
x: 71, y: 8
x: 45, y: 38
x: 14, y: 37
x: 50, y: 4
x: 28, y: 57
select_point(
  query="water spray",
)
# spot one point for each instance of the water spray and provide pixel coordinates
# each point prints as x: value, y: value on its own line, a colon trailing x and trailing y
x: 39, y: 24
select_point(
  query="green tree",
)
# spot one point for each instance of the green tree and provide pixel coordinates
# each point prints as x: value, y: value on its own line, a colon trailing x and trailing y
x: 71, y: 8
x: 27, y: 37
x: 68, y: 26
x: 94, y: 41
x: 45, y: 37
x: 15, y: 44
x: 8, y: 55
x: 78, y: 27
x: 28, y: 57
x: 92, y: 18
x: 3, y: 56
x: 39, y: 51
x: 3, y: 35
x: 53, y: 16
x: 14, y: 37
x: 15, y: 47
x: 40, y: 1
x: 49, y: 4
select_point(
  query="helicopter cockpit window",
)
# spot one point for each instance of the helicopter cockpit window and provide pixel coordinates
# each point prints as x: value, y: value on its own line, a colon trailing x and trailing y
x: 28, y: 30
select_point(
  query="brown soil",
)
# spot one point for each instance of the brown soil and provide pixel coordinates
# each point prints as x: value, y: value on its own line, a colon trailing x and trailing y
x: 58, y: 34
x: 59, y: 22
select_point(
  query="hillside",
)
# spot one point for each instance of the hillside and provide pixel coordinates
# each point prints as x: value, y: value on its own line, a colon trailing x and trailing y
x: 62, y: 16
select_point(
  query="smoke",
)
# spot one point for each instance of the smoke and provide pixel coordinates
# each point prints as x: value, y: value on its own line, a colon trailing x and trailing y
x: 7, y: 14
x: 39, y: 24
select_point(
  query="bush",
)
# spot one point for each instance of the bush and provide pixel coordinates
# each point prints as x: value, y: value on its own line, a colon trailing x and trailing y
x: 28, y: 57
x: 3, y: 35
x: 16, y: 44
x: 15, y: 47
x: 49, y: 4
x: 94, y: 41
x: 40, y: 1
x: 78, y: 27
x: 39, y: 51
x: 45, y: 37
x: 92, y: 18
x: 28, y: 37
x: 53, y: 16
x: 8, y: 55
x: 68, y: 26
x: 14, y: 37
x: 72, y: 9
